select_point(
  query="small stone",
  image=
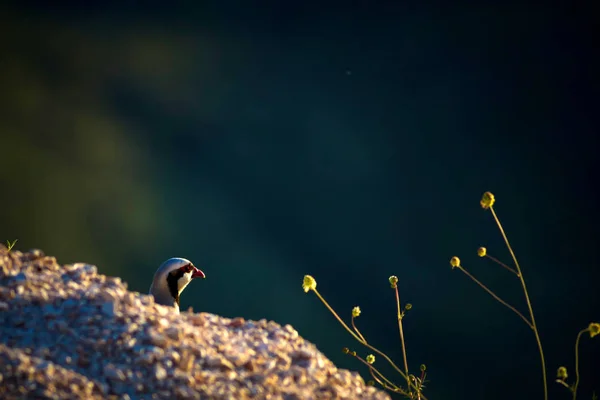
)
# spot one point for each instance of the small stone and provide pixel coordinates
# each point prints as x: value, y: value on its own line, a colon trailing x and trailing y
x: 162, y: 310
x: 159, y: 372
x: 70, y: 303
x: 186, y: 362
x: 174, y: 355
x: 157, y: 339
x: 49, y: 311
x: 36, y: 253
x: 239, y: 359
x: 237, y: 322
x: 108, y: 309
x: 146, y: 358
x: 198, y: 320
x: 111, y: 281
x: 49, y: 260
x: 173, y: 333
x: 111, y: 372
x: 163, y: 322
x: 62, y: 326
x: 219, y: 362
x: 20, y: 277
x: 184, y: 392
x: 293, y: 333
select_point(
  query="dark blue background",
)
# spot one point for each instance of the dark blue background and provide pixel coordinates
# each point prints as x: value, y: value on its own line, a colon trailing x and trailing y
x: 350, y: 142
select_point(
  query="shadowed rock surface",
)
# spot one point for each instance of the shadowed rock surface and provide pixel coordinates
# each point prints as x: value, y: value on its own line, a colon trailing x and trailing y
x: 68, y: 332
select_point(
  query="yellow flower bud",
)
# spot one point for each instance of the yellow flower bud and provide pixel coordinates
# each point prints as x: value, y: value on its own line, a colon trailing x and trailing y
x: 355, y: 311
x: 487, y: 200
x: 594, y: 329
x: 481, y: 252
x: 309, y: 283
x: 393, y: 281
x: 455, y: 262
x: 370, y: 359
x: 562, y: 373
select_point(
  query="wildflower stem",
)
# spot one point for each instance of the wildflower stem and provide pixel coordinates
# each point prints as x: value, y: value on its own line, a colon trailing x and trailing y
x: 564, y: 384
x: 383, y: 384
x: 357, y: 331
x: 495, y: 296
x: 422, y: 382
x: 373, y: 371
x: 393, y: 365
x: 574, y: 389
x: 533, y: 324
x: 364, y: 343
x: 402, y: 338
x: 338, y: 317
x: 502, y: 264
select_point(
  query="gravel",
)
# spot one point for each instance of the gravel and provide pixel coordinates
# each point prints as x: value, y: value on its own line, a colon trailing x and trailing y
x: 67, y: 332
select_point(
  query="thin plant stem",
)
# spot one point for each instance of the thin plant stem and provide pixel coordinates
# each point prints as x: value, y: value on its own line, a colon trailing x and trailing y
x: 402, y: 337
x: 389, y: 360
x: 564, y: 384
x: 577, y: 362
x: 357, y: 331
x: 534, y: 326
x: 364, y: 343
x: 372, y: 369
x: 387, y: 384
x: 337, y: 316
x: 529, y: 324
x: 393, y: 388
x: 383, y: 384
x: 494, y: 259
x: 422, y: 382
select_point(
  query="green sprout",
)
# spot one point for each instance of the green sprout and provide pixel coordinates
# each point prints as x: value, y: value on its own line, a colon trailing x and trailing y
x: 561, y: 374
x: 10, y: 245
x: 414, y: 386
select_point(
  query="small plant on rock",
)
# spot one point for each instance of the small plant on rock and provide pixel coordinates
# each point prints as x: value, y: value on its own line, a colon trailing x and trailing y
x: 414, y: 385
x: 10, y: 245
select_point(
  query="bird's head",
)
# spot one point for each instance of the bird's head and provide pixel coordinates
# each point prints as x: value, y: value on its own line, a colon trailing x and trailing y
x: 171, y: 278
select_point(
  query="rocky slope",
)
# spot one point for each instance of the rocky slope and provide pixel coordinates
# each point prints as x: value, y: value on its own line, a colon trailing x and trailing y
x: 68, y: 332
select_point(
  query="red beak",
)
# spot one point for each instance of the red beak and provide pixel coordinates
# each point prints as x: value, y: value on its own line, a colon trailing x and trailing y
x: 198, y: 274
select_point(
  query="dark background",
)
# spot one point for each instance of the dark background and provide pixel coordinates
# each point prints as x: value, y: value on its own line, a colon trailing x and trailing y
x: 349, y: 142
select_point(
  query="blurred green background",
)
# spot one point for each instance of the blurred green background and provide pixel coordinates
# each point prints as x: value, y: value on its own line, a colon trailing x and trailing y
x: 351, y: 143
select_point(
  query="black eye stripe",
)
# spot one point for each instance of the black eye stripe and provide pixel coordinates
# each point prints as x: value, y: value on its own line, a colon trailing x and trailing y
x: 173, y: 278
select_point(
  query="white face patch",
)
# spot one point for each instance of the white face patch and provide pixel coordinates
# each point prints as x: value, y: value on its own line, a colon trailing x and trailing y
x: 184, y: 280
